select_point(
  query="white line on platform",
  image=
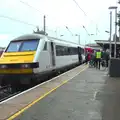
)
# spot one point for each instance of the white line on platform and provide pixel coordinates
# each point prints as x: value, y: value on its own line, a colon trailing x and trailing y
x: 40, y: 85
x: 94, y: 96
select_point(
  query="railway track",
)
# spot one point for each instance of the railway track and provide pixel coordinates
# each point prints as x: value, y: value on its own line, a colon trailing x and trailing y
x: 6, y: 92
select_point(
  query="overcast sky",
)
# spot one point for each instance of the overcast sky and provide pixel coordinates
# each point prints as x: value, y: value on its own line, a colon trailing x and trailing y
x: 59, y: 13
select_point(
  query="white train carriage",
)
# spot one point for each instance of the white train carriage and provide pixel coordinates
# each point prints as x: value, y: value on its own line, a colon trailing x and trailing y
x: 56, y: 54
x: 35, y: 55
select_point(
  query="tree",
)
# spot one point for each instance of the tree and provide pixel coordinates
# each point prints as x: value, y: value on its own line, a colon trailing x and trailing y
x: 117, y: 38
x: 118, y: 1
x: 118, y: 23
x: 118, y: 15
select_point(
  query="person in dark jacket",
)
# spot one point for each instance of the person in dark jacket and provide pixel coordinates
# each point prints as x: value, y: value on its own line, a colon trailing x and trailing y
x: 106, y: 57
x: 86, y: 58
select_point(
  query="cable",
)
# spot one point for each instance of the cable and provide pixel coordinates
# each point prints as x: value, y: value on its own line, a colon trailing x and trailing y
x: 3, y: 16
x: 83, y: 11
x: 31, y: 6
x: 80, y: 7
x: 86, y: 30
x: 27, y: 4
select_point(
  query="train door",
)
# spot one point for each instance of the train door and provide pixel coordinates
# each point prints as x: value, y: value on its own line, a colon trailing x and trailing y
x: 79, y: 55
x: 52, y: 54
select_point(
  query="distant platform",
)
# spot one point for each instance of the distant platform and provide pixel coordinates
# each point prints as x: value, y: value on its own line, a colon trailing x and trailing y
x: 106, y: 43
x: 94, y: 46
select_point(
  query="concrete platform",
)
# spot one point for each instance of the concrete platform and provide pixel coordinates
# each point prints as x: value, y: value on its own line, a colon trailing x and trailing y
x: 85, y: 97
x: 91, y: 95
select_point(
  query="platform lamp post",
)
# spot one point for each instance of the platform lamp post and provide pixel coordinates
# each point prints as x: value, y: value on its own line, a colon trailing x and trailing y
x: 110, y: 47
x: 61, y: 35
x: 107, y: 31
x: 114, y: 7
x: 69, y: 30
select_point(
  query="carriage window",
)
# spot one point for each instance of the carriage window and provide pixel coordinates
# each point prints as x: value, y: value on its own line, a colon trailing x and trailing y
x: 45, y: 46
x: 64, y: 50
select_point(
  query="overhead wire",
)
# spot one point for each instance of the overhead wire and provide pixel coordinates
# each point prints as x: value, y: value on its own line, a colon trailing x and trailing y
x: 14, y: 19
x: 85, y: 13
x: 80, y: 8
x: 27, y: 4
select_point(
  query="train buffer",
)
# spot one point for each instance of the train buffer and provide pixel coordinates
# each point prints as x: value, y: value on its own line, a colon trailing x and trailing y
x: 82, y: 93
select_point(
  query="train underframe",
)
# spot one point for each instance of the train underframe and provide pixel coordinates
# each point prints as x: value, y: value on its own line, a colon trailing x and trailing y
x: 23, y: 81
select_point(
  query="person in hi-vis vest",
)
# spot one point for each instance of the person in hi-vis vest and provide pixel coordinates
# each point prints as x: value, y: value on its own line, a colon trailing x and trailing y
x: 98, y: 58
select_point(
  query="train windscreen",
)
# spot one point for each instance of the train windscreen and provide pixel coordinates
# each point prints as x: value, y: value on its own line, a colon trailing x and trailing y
x: 20, y: 46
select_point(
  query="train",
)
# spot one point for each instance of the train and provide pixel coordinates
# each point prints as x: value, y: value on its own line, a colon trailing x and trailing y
x: 1, y: 50
x: 30, y: 56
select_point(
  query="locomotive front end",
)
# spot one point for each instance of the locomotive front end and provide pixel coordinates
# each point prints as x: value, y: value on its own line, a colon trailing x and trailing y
x: 17, y: 61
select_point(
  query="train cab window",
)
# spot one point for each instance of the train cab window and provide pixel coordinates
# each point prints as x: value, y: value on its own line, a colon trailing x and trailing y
x: 20, y: 46
x: 45, y: 46
x: 14, y: 47
x: 30, y: 45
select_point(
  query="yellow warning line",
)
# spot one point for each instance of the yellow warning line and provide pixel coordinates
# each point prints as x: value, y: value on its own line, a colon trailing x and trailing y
x: 41, y: 97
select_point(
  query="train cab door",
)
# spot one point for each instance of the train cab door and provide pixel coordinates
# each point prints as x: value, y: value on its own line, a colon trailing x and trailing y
x: 52, y: 54
x: 79, y: 55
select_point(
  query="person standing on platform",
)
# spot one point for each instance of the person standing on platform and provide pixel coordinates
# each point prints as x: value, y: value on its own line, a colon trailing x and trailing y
x: 105, y: 57
x: 98, y: 58
x: 86, y: 58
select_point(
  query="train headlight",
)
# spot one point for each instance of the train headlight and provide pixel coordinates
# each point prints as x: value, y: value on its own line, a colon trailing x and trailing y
x: 25, y: 66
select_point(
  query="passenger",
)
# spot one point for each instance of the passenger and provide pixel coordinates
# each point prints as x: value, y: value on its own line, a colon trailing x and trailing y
x: 93, y: 59
x: 106, y: 57
x: 86, y: 58
x: 98, y: 59
x: 89, y: 56
x: 91, y: 63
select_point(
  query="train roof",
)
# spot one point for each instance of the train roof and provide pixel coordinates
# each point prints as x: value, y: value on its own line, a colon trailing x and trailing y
x: 28, y: 36
x: 39, y: 36
x: 61, y: 41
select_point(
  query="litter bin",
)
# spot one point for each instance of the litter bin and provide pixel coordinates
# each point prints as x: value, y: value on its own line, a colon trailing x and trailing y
x: 114, y: 67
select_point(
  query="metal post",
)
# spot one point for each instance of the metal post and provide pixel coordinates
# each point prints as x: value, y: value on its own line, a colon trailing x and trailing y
x: 119, y: 28
x: 110, y: 31
x: 119, y: 34
x: 115, y: 32
x: 44, y: 25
